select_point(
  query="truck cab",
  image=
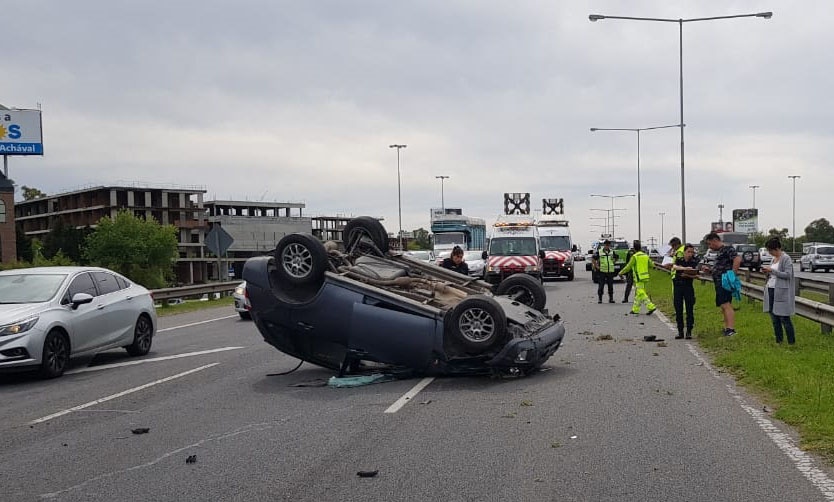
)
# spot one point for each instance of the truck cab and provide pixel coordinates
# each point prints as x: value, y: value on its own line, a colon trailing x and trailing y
x: 513, y: 248
x: 555, y: 241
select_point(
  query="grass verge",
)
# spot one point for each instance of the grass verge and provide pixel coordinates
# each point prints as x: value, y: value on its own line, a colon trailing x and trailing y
x: 795, y: 381
x: 195, y: 305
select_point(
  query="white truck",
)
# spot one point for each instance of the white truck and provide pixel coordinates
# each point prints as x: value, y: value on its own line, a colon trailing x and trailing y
x: 555, y: 241
x: 513, y: 248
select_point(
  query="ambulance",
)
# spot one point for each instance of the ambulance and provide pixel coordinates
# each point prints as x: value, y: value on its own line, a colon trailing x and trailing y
x: 555, y: 241
x: 513, y: 248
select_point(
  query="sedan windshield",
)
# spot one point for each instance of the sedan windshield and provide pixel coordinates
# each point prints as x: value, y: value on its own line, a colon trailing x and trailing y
x: 29, y: 288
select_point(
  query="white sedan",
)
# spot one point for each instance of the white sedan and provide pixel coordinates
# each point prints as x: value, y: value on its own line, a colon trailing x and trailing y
x: 475, y: 261
x: 49, y: 314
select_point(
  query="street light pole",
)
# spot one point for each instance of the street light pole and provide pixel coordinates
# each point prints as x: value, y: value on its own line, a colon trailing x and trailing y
x: 612, y: 197
x: 399, y: 194
x: 754, y: 187
x: 442, y: 203
x: 637, y: 130
x: 662, y: 238
x: 597, y: 17
x: 794, y: 177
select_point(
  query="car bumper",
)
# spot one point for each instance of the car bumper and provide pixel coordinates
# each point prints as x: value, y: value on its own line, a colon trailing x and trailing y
x: 21, y: 351
x: 531, y: 352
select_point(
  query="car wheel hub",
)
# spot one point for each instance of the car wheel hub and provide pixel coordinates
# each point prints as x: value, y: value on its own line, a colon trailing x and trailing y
x: 477, y: 325
x: 297, y: 260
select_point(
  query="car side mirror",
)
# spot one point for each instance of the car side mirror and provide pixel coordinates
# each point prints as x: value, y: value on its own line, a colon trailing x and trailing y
x: 80, y: 299
x: 541, y: 254
x: 574, y: 248
x: 484, y: 255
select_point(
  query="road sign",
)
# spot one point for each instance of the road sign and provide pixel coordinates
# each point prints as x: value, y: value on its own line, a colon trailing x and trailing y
x: 218, y: 240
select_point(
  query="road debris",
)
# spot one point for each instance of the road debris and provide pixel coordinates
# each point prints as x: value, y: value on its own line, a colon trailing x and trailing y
x: 526, y: 402
x: 367, y: 474
x: 604, y: 337
x: 191, y: 459
x: 141, y: 430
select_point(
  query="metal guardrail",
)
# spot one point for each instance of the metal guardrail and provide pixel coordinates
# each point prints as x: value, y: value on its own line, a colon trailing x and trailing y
x: 194, y: 290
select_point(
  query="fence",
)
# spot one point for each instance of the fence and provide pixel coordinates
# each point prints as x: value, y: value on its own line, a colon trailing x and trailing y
x: 194, y: 291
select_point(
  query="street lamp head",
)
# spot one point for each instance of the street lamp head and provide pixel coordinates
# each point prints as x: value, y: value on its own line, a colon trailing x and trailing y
x: 594, y: 129
x: 397, y: 146
x: 765, y: 15
x: 595, y: 17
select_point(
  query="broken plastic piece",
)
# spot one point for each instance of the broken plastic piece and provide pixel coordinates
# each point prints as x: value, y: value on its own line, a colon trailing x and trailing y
x: 367, y: 474
x: 141, y: 430
x: 358, y: 381
x: 192, y: 459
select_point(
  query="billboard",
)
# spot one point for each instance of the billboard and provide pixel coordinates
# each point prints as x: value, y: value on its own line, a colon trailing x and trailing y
x: 20, y: 132
x: 721, y: 226
x: 746, y: 220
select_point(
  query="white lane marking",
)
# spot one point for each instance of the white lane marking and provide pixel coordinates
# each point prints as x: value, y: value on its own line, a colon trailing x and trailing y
x: 803, y: 462
x: 195, y: 323
x: 149, y: 360
x: 399, y: 403
x: 120, y: 394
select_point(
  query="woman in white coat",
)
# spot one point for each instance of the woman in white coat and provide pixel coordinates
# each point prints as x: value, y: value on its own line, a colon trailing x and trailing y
x: 779, y: 299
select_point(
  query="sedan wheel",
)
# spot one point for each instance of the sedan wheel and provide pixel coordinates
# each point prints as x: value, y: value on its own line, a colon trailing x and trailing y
x: 142, y: 337
x: 477, y: 323
x: 55, y: 356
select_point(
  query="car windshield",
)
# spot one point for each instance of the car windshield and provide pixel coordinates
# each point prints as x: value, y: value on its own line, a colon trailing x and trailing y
x: 620, y: 245
x: 420, y: 255
x: 472, y: 255
x: 555, y: 242
x: 512, y: 246
x: 29, y: 288
x: 826, y: 250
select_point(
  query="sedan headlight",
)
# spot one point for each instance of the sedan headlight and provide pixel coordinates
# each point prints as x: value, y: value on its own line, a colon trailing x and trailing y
x: 18, y: 327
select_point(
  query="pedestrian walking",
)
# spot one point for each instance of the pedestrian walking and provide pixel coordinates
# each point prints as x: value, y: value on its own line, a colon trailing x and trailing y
x: 603, y: 264
x: 684, y: 270
x: 726, y: 260
x: 779, y: 299
x: 629, y: 278
x: 638, y: 266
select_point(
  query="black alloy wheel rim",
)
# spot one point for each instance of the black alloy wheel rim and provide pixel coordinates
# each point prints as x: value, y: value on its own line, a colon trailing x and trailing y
x: 56, y: 353
x: 143, y: 334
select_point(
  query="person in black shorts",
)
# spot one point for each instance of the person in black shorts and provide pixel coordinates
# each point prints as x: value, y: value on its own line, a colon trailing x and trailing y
x: 727, y: 259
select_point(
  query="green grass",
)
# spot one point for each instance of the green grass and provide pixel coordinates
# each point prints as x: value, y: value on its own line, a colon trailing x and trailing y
x: 194, y: 305
x: 796, y: 381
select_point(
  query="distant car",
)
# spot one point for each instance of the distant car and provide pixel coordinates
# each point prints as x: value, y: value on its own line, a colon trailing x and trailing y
x: 578, y: 255
x: 475, y: 261
x: 750, y: 256
x: 50, y: 314
x: 242, y: 304
x: 817, y: 256
x: 766, y: 257
x: 340, y: 309
x: 655, y: 255
x: 426, y: 256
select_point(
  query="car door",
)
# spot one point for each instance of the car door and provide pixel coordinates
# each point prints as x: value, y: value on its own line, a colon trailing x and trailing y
x: 84, y: 320
x: 117, y: 310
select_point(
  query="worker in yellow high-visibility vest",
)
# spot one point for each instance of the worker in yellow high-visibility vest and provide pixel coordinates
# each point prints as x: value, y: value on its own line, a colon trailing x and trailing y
x: 639, y: 266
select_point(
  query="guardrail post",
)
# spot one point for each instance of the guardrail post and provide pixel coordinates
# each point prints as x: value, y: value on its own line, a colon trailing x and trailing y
x: 826, y: 328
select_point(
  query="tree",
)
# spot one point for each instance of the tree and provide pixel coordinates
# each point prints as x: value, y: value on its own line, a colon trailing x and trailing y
x: 24, y: 244
x: 819, y: 230
x: 65, y: 239
x: 30, y: 193
x: 142, y: 250
x: 422, y: 239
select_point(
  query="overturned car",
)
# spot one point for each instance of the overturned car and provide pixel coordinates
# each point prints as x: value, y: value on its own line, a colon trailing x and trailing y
x: 341, y: 305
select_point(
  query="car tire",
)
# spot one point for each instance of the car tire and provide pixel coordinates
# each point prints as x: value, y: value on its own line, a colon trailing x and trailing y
x: 813, y: 269
x: 300, y: 259
x: 477, y: 323
x: 524, y: 289
x: 570, y: 276
x: 142, y: 337
x: 55, y: 355
x: 367, y: 227
x: 245, y: 315
x: 801, y: 268
x: 747, y: 256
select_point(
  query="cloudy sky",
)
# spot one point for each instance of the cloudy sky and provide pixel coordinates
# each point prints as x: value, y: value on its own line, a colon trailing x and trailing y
x: 300, y: 100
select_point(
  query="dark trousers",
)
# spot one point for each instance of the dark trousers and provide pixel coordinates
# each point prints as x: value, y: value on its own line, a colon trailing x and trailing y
x: 780, y: 321
x: 629, y: 283
x: 604, y: 278
x: 684, y: 295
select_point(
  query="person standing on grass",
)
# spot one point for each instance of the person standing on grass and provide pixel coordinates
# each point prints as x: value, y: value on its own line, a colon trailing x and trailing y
x: 779, y: 299
x: 727, y: 259
x: 685, y: 269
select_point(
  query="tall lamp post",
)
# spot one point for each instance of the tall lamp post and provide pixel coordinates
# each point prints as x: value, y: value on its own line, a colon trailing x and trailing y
x: 794, y: 177
x: 597, y: 17
x: 612, y: 197
x: 662, y: 238
x: 399, y: 194
x: 754, y: 187
x: 442, y: 202
x: 637, y: 130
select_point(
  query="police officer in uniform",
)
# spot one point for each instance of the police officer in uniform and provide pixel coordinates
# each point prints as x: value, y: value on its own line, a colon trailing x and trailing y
x: 603, y: 263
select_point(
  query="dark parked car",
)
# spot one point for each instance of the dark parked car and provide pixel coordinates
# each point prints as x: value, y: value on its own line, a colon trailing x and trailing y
x: 750, y: 257
x: 339, y: 306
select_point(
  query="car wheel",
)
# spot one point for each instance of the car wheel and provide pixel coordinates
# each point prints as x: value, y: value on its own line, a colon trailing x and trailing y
x: 477, y: 323
x: 245, y: 315
x: 142, y: 337
x: 801, y: 268
x: 523, y: 289
x: 300, y: 259
x: 812, y: 268
x: 55, y: 355
x: 365, y: 227
x: 570, y: 276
